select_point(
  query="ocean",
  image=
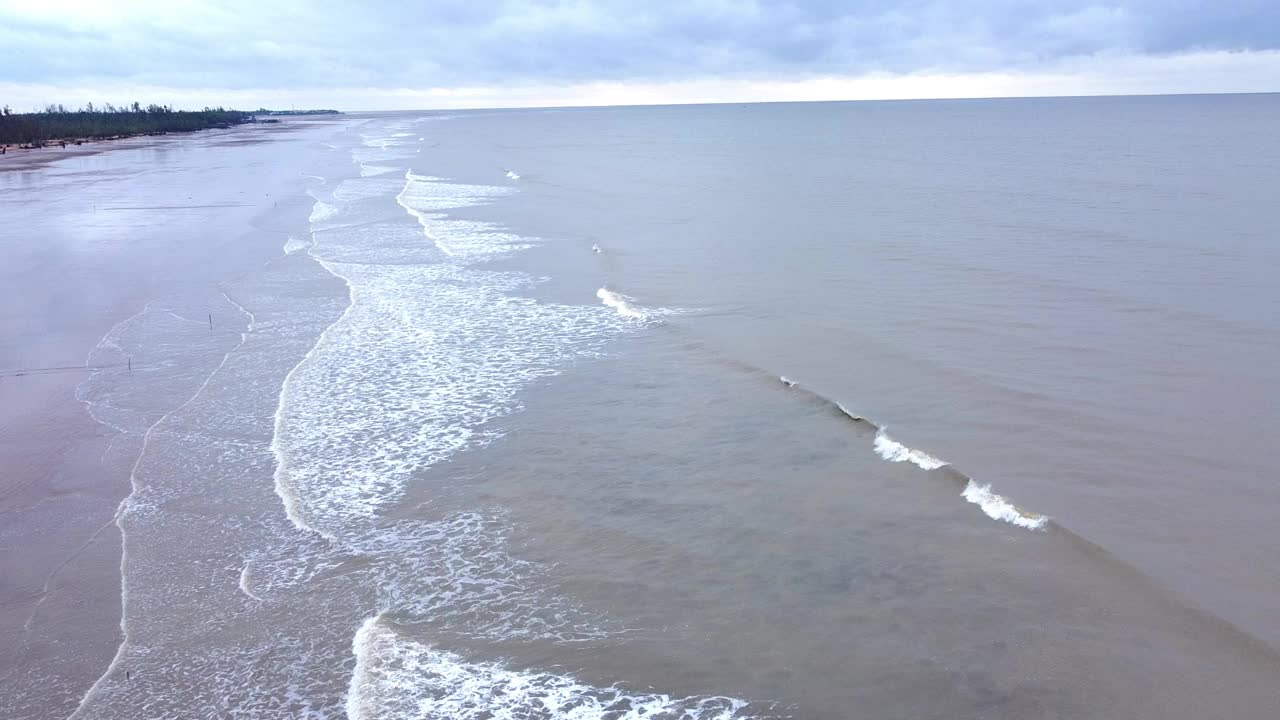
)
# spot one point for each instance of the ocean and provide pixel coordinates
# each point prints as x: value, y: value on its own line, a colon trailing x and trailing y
x: 934, y: 409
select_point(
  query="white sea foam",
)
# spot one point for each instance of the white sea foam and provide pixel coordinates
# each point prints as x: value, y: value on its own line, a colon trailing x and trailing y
x: 388, y: 154
x: 365, y: 188
x: 396, y: 676
x: 426, y: 197
x: 894, y: 451
x: 513, y: 175
x: 456, y: 572
x: 620, y: 303
x: 137, y: 503
x: 998, y: 507
x: 995, y: 506
x: 426, y: 356
x: 789, y: 382
x: 370, y: 170
x: 471, y: 240
x: 322, y: 211
x: 286, y: 490
x: 385, y: 142
x: 433, y: 194
x: 429, y: 354
x: 445, y: 352
x: 595, y: 248
x: 293, y: 245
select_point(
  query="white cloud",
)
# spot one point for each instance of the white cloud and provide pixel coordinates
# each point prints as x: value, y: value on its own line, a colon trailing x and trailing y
x: 394, y: 53
x: 1202, y: 72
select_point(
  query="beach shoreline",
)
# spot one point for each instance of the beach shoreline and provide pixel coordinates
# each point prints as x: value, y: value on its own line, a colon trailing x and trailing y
x: 184, y: 233
x: 17, y: 156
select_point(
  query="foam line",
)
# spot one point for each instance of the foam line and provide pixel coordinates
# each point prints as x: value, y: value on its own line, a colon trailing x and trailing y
x: 124, y: 505
x: 292, y: 503
x: 994, y: 506
x: 399, y: 677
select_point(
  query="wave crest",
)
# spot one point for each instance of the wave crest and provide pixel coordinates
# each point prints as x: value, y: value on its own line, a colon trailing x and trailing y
x: 398, y: 677
x: 998, y: 507
x: 620, y: 303
x: 894, y: 451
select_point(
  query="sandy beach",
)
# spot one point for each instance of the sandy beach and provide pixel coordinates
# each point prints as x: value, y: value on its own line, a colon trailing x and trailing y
x: 127, y: 223
x: 18, y: 157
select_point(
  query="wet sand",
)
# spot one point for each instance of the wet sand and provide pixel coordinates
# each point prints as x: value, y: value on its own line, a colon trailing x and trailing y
x: 92, y: 235
x: 16, y: 157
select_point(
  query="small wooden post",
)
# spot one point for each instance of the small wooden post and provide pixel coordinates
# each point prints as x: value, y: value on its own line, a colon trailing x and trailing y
x: 210, y: 321
x: 131, y: 364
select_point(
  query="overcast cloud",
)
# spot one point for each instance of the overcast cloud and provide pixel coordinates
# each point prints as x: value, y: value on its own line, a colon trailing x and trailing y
x: 460, y: 52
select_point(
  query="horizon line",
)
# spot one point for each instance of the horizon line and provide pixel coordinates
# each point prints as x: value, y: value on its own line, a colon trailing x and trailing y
x: 695, y: 103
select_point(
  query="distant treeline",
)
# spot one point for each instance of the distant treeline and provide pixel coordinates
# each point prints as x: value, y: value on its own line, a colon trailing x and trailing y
x: 60, y: 123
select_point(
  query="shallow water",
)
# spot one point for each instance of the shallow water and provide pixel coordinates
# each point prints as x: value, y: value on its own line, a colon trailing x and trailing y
x: 891, y: 410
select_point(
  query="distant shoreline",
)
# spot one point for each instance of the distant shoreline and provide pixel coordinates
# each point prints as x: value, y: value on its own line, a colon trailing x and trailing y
x: 62, y: 143
x: 59, y: 126
x: 16, y: 157
x: 57, y: 123
x: 19, y: 156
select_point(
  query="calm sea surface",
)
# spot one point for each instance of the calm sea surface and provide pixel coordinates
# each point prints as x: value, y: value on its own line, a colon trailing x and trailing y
x: 955, y: 409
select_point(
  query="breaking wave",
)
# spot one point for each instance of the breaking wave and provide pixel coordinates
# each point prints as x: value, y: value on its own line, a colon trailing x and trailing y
x: 620, y: 303
x: 426, y: 198
x: 894, y: 451
x: 431, y: 351
x: 402, y: 678
x: 426, y: 356
x: 996, y: 507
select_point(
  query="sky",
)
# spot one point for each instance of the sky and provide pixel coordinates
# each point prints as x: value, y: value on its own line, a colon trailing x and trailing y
x: 385, y: 55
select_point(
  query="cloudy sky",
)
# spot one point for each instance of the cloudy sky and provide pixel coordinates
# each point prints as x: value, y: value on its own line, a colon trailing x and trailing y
x: 384, y: 54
